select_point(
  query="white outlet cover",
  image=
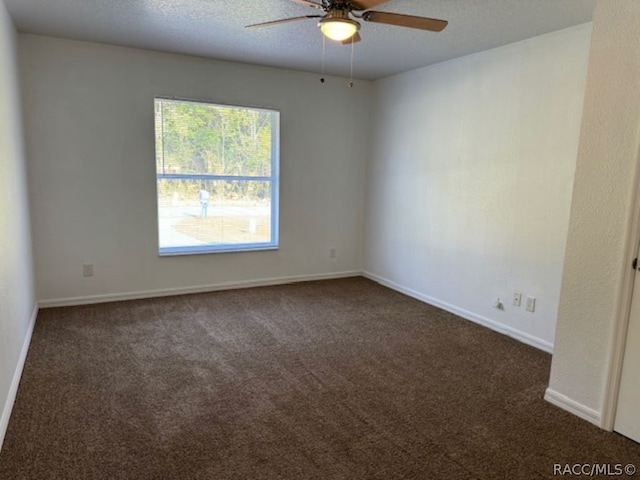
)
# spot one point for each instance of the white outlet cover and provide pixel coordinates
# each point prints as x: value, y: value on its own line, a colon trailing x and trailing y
x: 531, y: 304
x: 517, y: 299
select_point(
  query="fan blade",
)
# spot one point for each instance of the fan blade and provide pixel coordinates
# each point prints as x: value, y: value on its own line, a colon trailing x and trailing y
x: 354, y: 39
x: 309, y: 4
x: 365, y: 4
x: 284, y: 20
x: 422, y: 23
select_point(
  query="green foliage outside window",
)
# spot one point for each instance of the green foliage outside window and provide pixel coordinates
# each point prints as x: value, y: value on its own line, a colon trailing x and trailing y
x: 205, y: 139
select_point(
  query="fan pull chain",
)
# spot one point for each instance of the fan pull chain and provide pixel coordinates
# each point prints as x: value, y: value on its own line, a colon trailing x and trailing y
x: 324, y: 45
x: 352, y: 54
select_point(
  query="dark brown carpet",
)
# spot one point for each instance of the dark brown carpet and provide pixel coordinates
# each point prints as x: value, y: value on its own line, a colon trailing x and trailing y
x: 326, y: 380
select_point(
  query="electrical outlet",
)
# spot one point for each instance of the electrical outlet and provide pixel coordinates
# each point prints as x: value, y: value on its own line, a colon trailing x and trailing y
x: 333, y: 252
x: 517, y: 299
x: 87, y: 270
x: 531, y: 304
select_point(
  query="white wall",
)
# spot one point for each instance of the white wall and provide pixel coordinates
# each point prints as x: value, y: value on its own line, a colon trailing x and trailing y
x: 17, y: 298
x: 89, y: 124
x: 599, y: 250
x: 470, y: 181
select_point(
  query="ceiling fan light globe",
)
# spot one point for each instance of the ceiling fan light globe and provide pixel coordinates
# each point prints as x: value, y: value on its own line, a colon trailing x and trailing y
x: 338, y: 29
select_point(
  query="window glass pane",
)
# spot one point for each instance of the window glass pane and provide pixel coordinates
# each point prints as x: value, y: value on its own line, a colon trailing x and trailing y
x: 200, y: 138
x: 232, y: 212
x: 216, y: 173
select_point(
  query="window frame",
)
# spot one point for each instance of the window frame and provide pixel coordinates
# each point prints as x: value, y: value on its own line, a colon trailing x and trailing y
x: 273, y: 179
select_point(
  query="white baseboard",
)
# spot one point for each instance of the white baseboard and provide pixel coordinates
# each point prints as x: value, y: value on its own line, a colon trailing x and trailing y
x: 572, y: 406
x: 263, y: 282
x: 485, y: 322
x: 17, y: 374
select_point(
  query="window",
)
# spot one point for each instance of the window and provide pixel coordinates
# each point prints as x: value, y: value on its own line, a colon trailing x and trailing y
x: 217, y: 177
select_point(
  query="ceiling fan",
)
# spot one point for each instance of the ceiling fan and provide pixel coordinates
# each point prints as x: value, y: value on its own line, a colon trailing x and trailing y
x: 336, y: 23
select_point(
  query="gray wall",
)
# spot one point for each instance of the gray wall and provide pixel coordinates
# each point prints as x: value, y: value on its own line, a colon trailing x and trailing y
x: 17, y: 298
x: 594, y: 298
x: 89, y: 124
x: 470, y: 179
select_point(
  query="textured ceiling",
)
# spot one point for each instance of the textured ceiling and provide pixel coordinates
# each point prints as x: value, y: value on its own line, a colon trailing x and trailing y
x: 215, y: 29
